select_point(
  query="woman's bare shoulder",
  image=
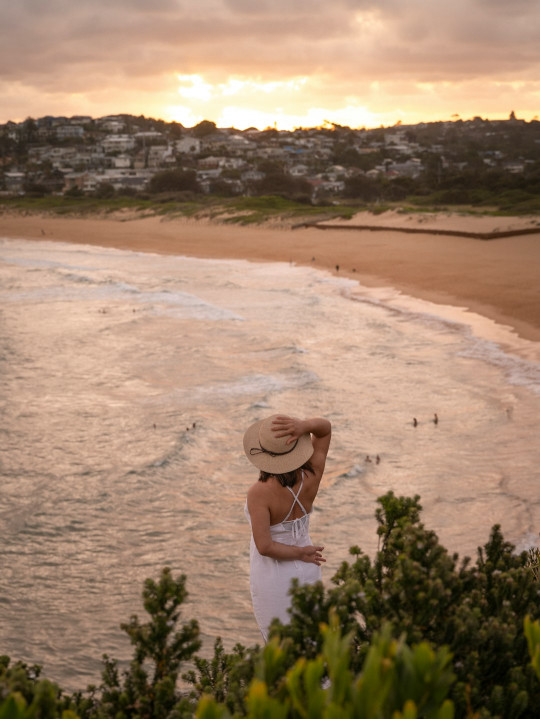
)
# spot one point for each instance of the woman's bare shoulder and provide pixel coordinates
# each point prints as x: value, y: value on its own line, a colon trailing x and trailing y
x: 257, y: 490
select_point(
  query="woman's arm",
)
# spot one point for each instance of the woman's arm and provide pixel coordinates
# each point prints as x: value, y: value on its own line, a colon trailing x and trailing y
x: 321, y: 434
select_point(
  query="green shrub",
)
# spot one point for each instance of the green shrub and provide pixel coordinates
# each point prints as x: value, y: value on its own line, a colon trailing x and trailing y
x: 24, y: 695
x: 396, y: 681
x: 413, y: 583
x: 411, y: 633
x: 174, y: 181
x: 226, y: 677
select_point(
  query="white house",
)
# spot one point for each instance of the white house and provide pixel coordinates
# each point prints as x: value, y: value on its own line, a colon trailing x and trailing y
x: 118, y: 143
x: 121, y: 162
x: 151, y: 137
x: 298, y: 170
x: 188, y: 145
x: 119, y: 178
x: 112, y: 124
x: 14, y: 181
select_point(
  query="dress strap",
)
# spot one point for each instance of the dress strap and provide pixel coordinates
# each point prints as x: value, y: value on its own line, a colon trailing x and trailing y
x: 296, y: 500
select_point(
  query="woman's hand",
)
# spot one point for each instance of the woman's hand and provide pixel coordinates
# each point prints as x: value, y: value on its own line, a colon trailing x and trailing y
x: 312, y: 555
x: 282, y: 425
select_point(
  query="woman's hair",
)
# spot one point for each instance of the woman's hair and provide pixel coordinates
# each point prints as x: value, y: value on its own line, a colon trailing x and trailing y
x: 287, y: 479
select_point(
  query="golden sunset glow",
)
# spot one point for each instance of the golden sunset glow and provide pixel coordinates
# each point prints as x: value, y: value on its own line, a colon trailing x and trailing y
x: 246, y: 102
x: 282, y: 64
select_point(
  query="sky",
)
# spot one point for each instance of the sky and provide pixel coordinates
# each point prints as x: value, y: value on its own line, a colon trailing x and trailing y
x: 271, y: 63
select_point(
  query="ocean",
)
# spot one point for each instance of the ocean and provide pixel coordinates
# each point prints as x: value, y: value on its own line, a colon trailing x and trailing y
x: 127, y: 381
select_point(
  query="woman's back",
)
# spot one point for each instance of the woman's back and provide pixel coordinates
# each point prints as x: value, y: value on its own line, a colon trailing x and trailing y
x: 280, y: 500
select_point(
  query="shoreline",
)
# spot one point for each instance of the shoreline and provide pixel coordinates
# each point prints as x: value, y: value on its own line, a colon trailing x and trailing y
x: 426, y: 257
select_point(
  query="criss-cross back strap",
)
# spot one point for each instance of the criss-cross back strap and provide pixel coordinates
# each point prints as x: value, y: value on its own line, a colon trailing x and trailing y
x: 296, y: 500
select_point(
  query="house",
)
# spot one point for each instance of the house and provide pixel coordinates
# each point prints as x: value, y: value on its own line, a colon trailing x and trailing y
x: 411, y: 168
x: 271, y: 153
x: 117, y: 177
x: 80, y: 120
x: 59, y: 156
x: 335, y: 171
x: 213, y: 142
x: 395, y: 138
x: 127, y: 178
x: 169, y: 156
x: 11, y: 130
x: 210, y: 163
x: 14, y: 181
x: 155, y: 155
x: 121, y: 162
x: 188, y: 145
x: 84, y: 181
x: 112, y: 123
x: 252, y: 175
x: 150, y: 137
x: 208, y: 174
x: 237, y: 144
x: 331, y: 186
x: 36, y: 154
x: 118, y: 143
x: 298, y: 170
x: 514, y: 166
x: 91, y: 157
x: 45, y: 132
x: 233, y: 163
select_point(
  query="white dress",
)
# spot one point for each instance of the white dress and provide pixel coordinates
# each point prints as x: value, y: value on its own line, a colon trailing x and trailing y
x: 270, y: 579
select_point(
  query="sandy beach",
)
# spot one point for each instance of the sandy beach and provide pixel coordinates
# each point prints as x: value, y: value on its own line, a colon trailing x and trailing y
x: 499, y: 279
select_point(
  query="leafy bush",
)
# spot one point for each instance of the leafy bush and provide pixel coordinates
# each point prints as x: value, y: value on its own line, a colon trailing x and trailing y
x: 412, y: 633
x: 24, y: 695
x: 425, y: 594
x: 226, y: 677
x: 148, y: 687
x: 174, y: 181
x: 396, y: 681
x: 104, y: 191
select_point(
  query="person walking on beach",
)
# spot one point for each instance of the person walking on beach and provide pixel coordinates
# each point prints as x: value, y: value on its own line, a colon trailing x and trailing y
x: 290, y: 454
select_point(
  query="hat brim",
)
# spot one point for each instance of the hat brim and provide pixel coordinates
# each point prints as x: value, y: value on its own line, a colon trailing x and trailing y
x: 279, y: 464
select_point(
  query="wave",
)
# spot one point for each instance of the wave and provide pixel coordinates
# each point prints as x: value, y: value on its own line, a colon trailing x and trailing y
x: 254, y: 384
x: 517, y: 370
x: 176, y: 304
x: 281, y: 350
x: 257, y: 385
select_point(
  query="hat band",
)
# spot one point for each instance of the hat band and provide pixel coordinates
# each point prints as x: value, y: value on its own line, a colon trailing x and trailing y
x: 261, y: 450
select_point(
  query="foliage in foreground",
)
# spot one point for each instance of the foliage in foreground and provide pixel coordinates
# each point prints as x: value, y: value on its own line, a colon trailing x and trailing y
x: 411, y: 633
x: 427, y: 595
x: 396, y: 681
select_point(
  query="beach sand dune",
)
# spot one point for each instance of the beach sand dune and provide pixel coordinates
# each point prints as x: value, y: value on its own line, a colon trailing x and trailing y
x: 499, y: 278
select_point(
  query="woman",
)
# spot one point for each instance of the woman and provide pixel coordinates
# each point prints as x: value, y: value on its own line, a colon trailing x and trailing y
x: 290, y: 454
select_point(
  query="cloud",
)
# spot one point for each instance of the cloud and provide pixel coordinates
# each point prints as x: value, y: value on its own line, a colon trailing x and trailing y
x: 61, y: 52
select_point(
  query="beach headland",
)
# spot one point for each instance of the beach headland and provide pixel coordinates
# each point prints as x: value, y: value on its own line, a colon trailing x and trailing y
x: 433, y: 256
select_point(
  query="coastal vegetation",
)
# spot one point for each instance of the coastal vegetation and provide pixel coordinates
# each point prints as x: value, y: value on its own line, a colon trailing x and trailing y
x: 413, y: 632
x: 236, y: 210
x: 240, y: 210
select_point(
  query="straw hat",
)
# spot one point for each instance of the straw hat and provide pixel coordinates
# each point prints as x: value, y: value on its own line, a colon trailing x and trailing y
x: 272, y: 454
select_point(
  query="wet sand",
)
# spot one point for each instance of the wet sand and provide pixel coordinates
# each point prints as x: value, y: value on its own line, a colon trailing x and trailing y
x: 498, y: 278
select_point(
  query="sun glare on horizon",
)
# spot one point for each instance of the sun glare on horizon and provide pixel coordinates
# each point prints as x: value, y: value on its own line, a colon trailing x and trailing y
x: 243, y: 102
